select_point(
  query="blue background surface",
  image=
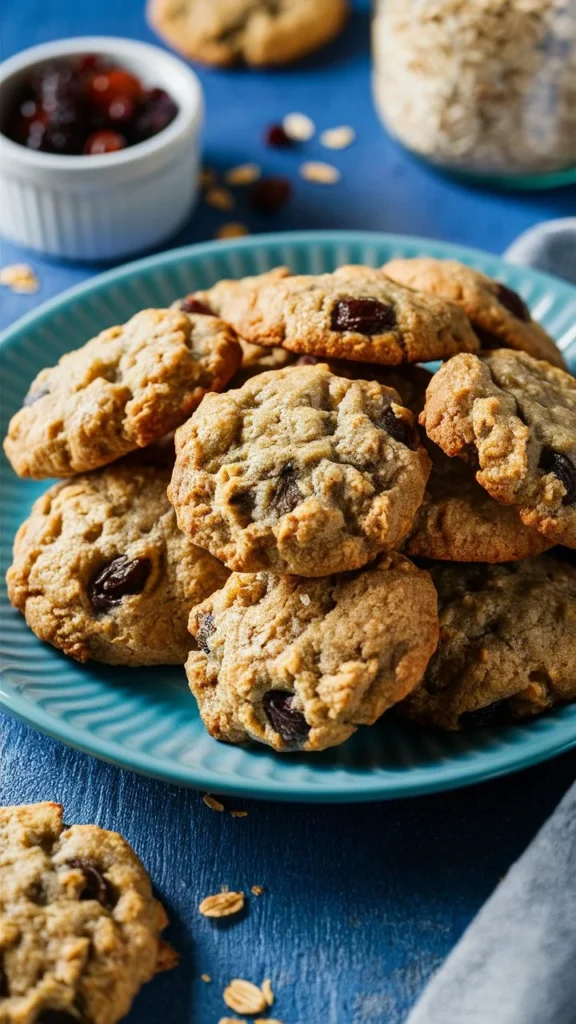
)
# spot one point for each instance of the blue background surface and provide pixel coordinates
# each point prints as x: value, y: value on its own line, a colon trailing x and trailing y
x: 361, y: 904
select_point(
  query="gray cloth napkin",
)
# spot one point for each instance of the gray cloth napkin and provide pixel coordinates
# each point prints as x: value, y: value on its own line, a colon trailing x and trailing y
x: 516, y: 963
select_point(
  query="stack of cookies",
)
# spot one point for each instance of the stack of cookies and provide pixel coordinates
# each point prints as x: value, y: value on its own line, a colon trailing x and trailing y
x: 331, y: 558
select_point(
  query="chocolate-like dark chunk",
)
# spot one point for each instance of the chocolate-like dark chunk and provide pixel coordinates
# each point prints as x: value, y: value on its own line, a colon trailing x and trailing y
x: 193, y: 305
x: 33, y: 396
x: 287, y: 494
x: 513, y: 302
x: 270, y: 194
x: 243, y: 501
x: 564, y: 469
x: 57, y: 1017
x: 289, y: 723
x: 4, y: 988
x: 96, y: 887
x: 400, y: 429
x: 116, y: 579
x: 364, y: 316
x: 497, y: 713
x: 205, y: 631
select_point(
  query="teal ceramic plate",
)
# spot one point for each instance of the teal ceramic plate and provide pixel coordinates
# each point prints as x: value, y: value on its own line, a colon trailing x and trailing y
x: 146, y: 720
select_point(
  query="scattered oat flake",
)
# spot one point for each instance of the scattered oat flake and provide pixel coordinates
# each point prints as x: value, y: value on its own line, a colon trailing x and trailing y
x: 338, y: 138
x: 243, y: 174
x: 212, y: 803
x: 321, y: 173
x: 244, y: 997
x: 267, y: 991
x: 234, y: 229
x: 257, y: 890
x: 299, y: 127
x: 239, y: 814
x: 220, y: 198
x: 222, y: 904
x: 20, y: 278
x: 305, y: 598
x: 268, y: 1020
x: 206, y: 978
x: 233, y: 1020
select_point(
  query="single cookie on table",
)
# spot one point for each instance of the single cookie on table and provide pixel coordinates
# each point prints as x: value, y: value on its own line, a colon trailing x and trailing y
x: 255, y: 32
x: 499, y: 315
x: 515, y: 418
x: 299, y: 663
x: 299, y: 471
x: 458, y: 521
x: 102, y: 571
x: 354, y: 313
x: 507, y: 644
x: 79, y: 925
x: 122, y: 390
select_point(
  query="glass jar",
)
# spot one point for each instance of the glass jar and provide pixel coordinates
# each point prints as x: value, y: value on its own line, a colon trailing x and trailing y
x: 482, y: 87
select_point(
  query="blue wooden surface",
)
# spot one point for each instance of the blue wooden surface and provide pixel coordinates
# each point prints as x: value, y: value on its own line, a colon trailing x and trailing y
x: 362, y: 903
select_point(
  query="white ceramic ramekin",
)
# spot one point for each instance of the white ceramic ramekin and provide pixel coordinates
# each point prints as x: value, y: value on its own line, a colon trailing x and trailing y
x: 109, y: 206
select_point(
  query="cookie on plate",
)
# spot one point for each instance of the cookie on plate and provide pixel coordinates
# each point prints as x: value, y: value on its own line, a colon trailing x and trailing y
x: 102, y: 571
x: 354, y: 313
x: 299, y: 471
x: 255, y: 32
x: 507, y: 644
x: 515, y: 418
x: 458, y: 521
x: 122, y: 390
x: 299, y: 663
x: 79, y: 925
x: 409, y: 380
x: 498, y: 314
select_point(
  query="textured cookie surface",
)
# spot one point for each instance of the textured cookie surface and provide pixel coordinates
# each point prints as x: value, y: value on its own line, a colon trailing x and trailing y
x: 299, y: 471
x: 515, y: 418
x: 79, y: 926
x: 499, y: 315
x: 460, y: 522
x: 102, y: 571
x: 256, y: 32
x: 300, y: 663
x: 123, y: 390
x: 354, y: 313
x: 507, y: 647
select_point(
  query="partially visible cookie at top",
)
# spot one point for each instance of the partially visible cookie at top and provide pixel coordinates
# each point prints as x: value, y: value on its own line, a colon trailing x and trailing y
x: 409, y: 380
x: 513, y: 418
x: 299, y: 664
x: 122, y: 390
x: 255, y: 32
x: 101, y: 570
x: 458, y: 521
x: 499, y: 316
x: 80, y: 928
x: 507, y: 645
x: 299, y: 471
x: 355, y: 313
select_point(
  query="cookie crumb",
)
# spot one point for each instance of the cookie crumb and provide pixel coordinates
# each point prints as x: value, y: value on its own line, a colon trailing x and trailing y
x: 212, y: 803
x: 338, y: 138
x: 267, y: 991
x: 222, y: 904
x: 257, y: 890
x: 299, y: 127
x: 220, y: 198
x: 206, y: 977
x: 19, y: 278
x: 239, y: 814
x: 319, y: 172
x: 244, y: 997
x: 243, y: 174
x: 305, y: 599
x: 233, y: 229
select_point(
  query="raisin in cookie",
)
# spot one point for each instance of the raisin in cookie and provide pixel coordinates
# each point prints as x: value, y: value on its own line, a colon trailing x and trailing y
x: 299, y: 471
x: 499, y: 315
x: 507, y: 644
x: 515, y: 418
x: 459, y: 522
x: 102, y: 571
x: 122, y: 390
x: 299, y: 663
x: 79, y: 926
x: 354, y: 313
x: 256, y: 32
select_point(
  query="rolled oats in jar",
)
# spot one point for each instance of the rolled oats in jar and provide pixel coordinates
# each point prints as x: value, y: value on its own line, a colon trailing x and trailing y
x: 484, y: 86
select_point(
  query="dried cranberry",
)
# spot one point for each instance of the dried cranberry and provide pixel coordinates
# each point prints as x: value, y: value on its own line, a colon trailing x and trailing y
x: 104, y: 86
x: 121, y: 109
x: 57, y: 1017
x: 364, y: 316
x: 269, y: 194
x: 88, y: 62
x: 400, y: 429
x: 104, y: 142
x: 497, y: 713
x: 277, y: 137
x: 192, y: 305
x: 287, y: 494
x: 204, y: 632
x: 564, y: 469
x: 512, y: 302
x: 289, y: 723
x: 33, y: 396
x: 116, y: 579
x: 158, y: 111
x: 96, y: 887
